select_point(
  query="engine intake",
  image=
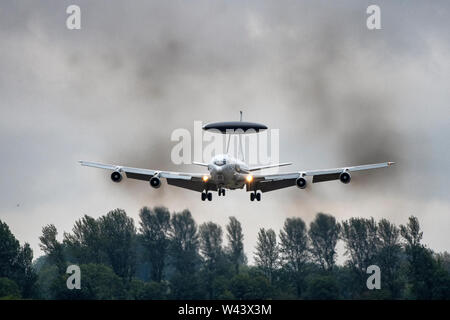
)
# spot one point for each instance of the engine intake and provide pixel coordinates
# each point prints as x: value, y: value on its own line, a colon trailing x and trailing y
x: 155, y: 182
x: 116, y: 176
x: 301, y: 183
x: 345, y: 177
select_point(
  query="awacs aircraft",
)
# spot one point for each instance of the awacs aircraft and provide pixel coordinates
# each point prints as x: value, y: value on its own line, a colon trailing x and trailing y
x: 227, y: 172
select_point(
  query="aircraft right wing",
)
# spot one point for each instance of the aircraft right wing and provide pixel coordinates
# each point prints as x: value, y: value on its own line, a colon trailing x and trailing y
x: 266, y: 183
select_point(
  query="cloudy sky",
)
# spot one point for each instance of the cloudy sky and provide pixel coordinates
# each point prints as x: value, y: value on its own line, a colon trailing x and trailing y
x: 115, y: 90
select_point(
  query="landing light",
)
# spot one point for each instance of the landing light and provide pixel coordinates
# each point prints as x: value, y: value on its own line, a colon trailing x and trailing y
x: 205, y: 178
x: 249, y: 178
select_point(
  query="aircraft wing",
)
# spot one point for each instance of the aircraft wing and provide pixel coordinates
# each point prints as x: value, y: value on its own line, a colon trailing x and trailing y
x: 271, y: 182
x: 191, y: 181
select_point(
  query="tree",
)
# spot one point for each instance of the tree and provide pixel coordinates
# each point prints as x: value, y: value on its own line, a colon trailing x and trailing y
x: 267, y: 252
x: 212, y: 251
x: 9, y: 250
x: 361, y: 243
x: 85, y: 244
x: 294, y: 249
x: 411, y: 232
x: 52, y: 248
x: 389, y: 256
x: 324, y: 233
x: 235, y: 247
x: 16, y: 261
x: 421, y: 263
x: 155, y: 229
x: 184, y: 242
x: 322, y: 287
x: 149, y: 290
x: 211, y: 242
x: 25, y: 275
x: 98, y: 282
x: 9, y: 289
x: 245, y: 286
x: 118, y: 237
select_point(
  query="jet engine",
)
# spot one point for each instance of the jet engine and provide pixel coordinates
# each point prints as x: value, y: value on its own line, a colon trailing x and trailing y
x: 345, y: 177
x: 155, y: 182
x: 301, y: 183
x: 116, y: 176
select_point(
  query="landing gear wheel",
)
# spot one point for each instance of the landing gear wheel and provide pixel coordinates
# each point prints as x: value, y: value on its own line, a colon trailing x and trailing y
x: 209, y: 196
x: 252, y: 196
x: 203, y: 196
x: 258, y: 196
x: 223, y: 192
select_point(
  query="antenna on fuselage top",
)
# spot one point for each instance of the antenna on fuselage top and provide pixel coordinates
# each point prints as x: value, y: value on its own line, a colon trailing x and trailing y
x: 240, y: 140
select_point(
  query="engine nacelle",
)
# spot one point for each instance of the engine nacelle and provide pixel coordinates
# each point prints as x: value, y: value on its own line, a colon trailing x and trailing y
x: 155, y: 182
x: 301, y: 183
x: 345, y: 177
x: 116, y: 176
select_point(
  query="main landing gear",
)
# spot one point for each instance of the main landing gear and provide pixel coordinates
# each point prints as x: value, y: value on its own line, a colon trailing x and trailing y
x: 255, y: 195
x: 206, y: 195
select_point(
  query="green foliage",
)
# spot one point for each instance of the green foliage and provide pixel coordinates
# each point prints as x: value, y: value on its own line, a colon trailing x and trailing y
x: 250, y: 287
x: 187, y: 286
x: 16, y: 262
x: 150, y: 290
x: 235, y: 249
x: 155, y: 229
x: 118, y: 239
x: 213, y: 255
x: 322, y: 287
x: 9, y: 290
x: 324, y: 233
x: 184, y: 243
x: 47, y: 275
x: 85, y: 243
x: 52, y: 248
x: 267, y: 252
x: 389, y: 258
x: 98, y: 282
x: 294, y: 244
x: 9, y: 250
x: 211, y: 243
x: 186, y: 263
x: 361, y: 243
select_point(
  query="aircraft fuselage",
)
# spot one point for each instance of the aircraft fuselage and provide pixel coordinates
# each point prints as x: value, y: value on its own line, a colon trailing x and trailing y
x: 227, y: 172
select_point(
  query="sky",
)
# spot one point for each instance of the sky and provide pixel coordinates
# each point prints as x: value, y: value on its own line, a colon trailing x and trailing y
x: 115, y: 90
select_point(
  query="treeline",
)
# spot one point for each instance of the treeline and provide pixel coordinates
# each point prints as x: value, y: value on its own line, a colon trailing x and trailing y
x: 167, y: 256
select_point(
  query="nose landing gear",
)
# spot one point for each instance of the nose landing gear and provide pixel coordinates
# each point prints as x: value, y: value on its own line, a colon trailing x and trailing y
x: 206, y: 195
x: 255, y: 195
x: 221, y: 192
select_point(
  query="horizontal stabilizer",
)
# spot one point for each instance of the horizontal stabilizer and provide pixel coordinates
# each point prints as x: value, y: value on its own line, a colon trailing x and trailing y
x: 270, y: 166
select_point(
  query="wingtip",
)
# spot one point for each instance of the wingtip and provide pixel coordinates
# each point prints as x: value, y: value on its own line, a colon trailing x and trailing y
x: 391, y: 163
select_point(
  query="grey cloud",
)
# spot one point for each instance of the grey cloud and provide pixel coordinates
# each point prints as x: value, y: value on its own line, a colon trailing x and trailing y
x: 115, y: 90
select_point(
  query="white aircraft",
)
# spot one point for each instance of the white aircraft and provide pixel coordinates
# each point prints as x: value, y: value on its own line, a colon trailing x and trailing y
x: 227, y: 172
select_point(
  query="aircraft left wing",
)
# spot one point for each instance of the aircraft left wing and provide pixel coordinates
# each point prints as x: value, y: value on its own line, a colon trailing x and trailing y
x: 191, y: 181
x: 271, y: 182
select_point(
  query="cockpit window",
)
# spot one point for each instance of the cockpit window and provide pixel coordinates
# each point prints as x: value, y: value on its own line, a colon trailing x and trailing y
x: 220, y: 162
